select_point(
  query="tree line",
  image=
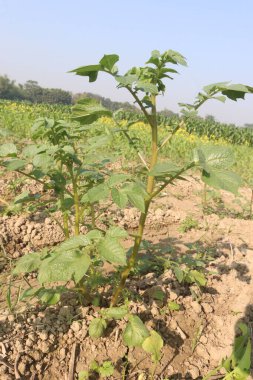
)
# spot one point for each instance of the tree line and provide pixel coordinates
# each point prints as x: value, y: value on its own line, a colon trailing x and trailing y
x: 32, y: 92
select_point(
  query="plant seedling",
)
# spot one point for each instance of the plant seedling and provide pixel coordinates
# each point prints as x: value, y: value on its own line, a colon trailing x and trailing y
x: 188, y: 224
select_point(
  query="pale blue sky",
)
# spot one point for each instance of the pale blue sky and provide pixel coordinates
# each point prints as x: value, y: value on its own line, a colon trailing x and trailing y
x: 42, y: 40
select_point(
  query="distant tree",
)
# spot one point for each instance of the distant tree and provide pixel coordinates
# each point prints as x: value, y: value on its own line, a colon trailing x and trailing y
x: 248, y: 125
x: 32, y: 91
x: 9, y: 90
x: 55, y: 95
x: 166, y: 112
x: 37, y: 94
x: 210, y: 118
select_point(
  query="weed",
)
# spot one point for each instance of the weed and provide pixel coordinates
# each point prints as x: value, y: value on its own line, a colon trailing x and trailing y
x: 188, y: 224
x: 106, y: 369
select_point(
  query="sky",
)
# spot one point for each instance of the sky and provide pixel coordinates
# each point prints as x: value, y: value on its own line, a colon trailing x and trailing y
x: 43, y: 40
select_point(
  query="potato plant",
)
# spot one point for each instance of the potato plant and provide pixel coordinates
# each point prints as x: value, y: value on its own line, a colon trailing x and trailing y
x: 79, y: 180
x: 145, y: 84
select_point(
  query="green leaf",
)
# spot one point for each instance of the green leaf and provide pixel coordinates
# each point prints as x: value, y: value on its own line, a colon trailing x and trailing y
x: 179, y: 274
x: 147, y: 87
x: 23, y: 197
x: 115, y: 312
x: 15, y: 164
x: 43, y: 161
x: 154, y: 59
x: 231, y: 91
x: 50, y: 296
x: 137, y: 200
x: 30, y: 150
x: 64, y: 266
x: 29, y: 293
x: 135, y: 332
x: 136, y: 195
x: 218, y: 157
x: 116, y: 179
x: 90, y: 71
x: 153, y: 344
x: 111, y: 250
x: 73, y: 243
x: 126, y: 80
x: 87, y: 111
x: 106, y: 369
x: 222, y: 179
x: 108, y: 61
x: 99, y: 192
x: 173, y: 306
x: 242, y: 370
x: 117, y: 232
x: 174, y: 57
x: 94, y: 235
x: 28, y: 263
x: 164, y: 169
x: 66, y: 204
x: 156, y: 293
x: 97, y: 327
x: 211, y: 87
x: 83, y: 375
x: 8, y: 150
x: 198, y: 277
x: 119, y: 198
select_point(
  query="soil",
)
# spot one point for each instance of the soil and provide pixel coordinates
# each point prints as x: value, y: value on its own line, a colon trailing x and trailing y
x: 40, y: 343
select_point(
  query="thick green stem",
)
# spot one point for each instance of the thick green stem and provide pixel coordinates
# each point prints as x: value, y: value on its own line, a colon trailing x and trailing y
x: 76, y: 201
x: 93, y: 217
x: 143, y: 216
x: 204, y: 201
x: 66, y: 224
x: 65, y: 217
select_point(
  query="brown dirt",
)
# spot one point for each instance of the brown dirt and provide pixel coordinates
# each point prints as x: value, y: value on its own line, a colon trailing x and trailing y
x: 196, y: 338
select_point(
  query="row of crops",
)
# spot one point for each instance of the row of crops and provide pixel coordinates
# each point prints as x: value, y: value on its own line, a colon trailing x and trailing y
x: 201, y: 127
x: 19, y: 116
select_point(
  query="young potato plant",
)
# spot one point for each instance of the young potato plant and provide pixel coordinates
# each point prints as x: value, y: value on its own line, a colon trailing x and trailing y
x: 62, y: 161
x: 145, y: 84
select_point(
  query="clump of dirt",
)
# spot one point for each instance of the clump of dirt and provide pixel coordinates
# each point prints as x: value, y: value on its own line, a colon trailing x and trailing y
x: 22, y: 234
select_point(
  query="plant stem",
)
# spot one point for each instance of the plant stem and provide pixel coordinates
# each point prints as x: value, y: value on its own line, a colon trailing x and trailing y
x: 93, y: 218
x: 66, y: 224
x: 251, y: 204
x: 39, y: 181
x: 204, y: 202
x: 76, y: 200
x: 150, y: 187
x: 64, y: 216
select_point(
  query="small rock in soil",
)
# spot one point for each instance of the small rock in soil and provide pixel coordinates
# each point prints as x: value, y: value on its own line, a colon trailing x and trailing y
x: 196, y: 307
x: 75, y: 326
x: 207, y: 308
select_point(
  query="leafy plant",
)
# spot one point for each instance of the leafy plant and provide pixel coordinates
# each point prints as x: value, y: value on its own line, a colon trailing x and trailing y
x: 104, y: 370
x: 237, y: 365
x: 145, y: 84
x: 188, y: 223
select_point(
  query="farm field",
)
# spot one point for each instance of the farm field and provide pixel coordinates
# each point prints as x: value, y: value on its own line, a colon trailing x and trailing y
x: 192, y: 283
